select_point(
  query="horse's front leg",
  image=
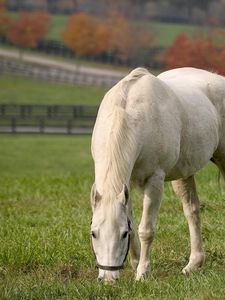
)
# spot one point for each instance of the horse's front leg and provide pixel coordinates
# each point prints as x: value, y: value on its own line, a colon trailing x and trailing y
x: 134, y: 248
x: 152, y: 198
x: 134, y: 243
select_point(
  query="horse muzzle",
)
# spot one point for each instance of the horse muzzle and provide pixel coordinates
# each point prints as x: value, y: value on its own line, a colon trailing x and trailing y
x: 108, y: 276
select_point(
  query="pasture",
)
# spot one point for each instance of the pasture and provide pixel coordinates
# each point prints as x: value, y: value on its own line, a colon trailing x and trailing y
x: 163, y: 33
x: 45, y: 215
x: 21, y: 90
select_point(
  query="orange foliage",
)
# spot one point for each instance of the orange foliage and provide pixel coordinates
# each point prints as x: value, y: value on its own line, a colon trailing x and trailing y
x: 201, y: 53
x: 120, y: 35
x: 125, y: 39
x: 2, y: 6
x: 102, y: 36
x: 29, y: 29
x: 5, y: 24
x: 89, y: 36
x: 86, y: 35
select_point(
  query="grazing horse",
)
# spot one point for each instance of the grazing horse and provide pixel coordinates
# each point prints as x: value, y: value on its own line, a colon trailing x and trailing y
x: 150, y: 130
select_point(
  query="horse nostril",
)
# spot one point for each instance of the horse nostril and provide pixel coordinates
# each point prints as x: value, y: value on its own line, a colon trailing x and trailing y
x: 111, y: 280
x: 100, y: 279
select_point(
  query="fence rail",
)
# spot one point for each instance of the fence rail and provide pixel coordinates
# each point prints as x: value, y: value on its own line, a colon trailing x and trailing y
x: 57, y: 74
x: 148, y: 58
x: 67, y: 119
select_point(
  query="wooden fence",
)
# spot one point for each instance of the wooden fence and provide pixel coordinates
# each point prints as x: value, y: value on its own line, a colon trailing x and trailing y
x: 66, y: 119
x: 57, y: 74
x: 148, y: 58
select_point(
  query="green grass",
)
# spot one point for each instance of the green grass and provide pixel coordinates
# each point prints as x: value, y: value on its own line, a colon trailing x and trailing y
x: 164, y: 33
x: 20, y: 90
x: 57, y: 26
x: 45, y: 214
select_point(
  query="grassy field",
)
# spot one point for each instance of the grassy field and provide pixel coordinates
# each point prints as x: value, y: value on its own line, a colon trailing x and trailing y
x: 164, y: 33
x: 21, y: 90
x: 45, y: 214
x: 57, y: 26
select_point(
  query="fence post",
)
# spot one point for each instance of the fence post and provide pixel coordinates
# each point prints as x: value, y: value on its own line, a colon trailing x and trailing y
x: 42, y: 125
x: 69, y: 126
x: 49, y: 111
x: 13, y: 125
x: 2, y: 109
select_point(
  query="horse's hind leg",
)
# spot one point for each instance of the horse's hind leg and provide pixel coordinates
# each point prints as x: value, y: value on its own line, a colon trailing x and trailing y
x: 219, y: 160
x: 186, y: 190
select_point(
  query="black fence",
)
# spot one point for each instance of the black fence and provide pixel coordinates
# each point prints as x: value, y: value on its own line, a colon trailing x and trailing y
x: 148, y: 58
x: 65, y: 119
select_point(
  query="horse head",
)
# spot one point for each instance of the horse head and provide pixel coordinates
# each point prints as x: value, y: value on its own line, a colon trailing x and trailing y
x: 110, y: 233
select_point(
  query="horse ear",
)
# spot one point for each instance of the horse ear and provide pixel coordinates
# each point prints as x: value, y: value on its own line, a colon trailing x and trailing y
x: 124, y: 195
x: 95, y: 196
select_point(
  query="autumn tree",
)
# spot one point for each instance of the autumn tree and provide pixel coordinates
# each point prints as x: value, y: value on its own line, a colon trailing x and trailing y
x: 198, y: 52
x: 2, y: 6
x: 5, y: 20
x: 120, y: 35
x: 28, y: 29
x: 86, y: 35
x: 128, y: 41
x: 5, y: 24
x: 89, y: 36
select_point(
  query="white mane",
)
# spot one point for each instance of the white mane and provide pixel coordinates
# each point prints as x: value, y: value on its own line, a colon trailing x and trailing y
x: 119, y: 144
x: 119, y: 148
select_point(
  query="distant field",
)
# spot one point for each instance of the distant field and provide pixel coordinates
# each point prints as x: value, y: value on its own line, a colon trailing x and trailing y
x: 20, y: 90
x: 45, y: 214
x: 57, y: 26
x: 164, y: 33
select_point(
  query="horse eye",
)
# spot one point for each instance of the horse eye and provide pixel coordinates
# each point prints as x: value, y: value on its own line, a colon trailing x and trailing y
x: 93, y: 234
x: 125, y: 234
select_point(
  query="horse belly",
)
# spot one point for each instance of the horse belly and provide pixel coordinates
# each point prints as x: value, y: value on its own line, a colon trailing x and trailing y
x: 198, y: 143
x: 160, y: 151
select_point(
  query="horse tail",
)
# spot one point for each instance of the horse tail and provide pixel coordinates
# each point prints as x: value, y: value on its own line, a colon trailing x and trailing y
x: 120, y: 90
x: 136, y: 74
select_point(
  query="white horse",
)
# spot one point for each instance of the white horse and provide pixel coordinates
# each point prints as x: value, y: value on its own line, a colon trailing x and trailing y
x: 151, y: 129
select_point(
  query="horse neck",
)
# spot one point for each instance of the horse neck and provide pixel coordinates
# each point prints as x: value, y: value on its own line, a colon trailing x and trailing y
x: 115, y: 168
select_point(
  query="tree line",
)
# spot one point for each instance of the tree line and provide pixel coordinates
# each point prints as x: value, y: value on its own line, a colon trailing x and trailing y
x: 189, y: 11
x: 89, y: 36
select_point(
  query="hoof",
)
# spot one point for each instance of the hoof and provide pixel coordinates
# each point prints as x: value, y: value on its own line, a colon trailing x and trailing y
x: 143, y: 272
x: 190, y: 269
x: 194, y: 264
x: 142, y: 277
x: 186, y: 271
